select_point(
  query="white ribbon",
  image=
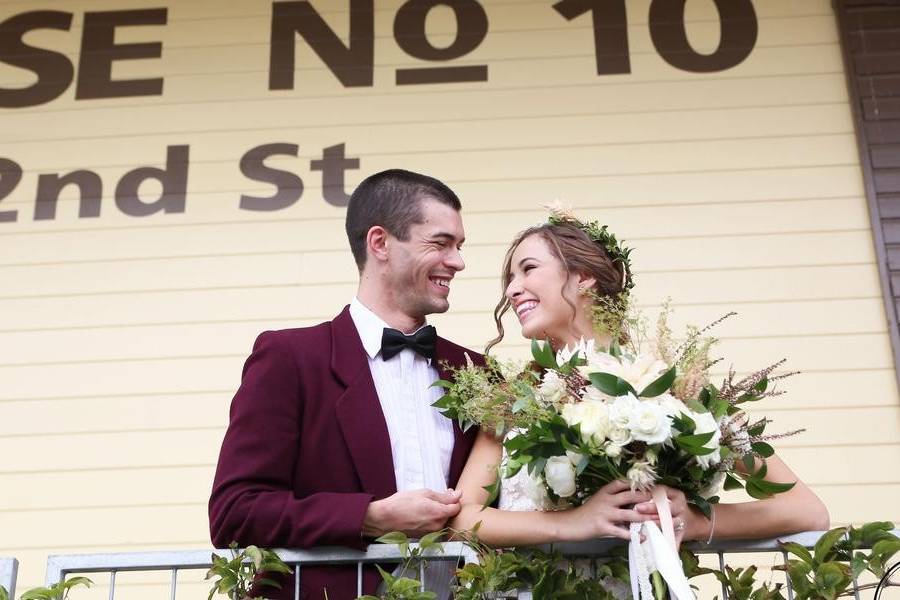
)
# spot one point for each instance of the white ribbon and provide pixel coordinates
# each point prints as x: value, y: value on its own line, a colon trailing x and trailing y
x: 658, y: 552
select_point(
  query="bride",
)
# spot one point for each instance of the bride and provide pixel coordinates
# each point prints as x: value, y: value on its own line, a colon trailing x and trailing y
x: 552, y: 275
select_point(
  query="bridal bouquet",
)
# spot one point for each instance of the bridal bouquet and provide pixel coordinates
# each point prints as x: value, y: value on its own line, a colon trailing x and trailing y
x: 582, y: 417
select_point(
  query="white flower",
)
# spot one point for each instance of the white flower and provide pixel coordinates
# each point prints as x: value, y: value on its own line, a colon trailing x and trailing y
x: 620, y: 411
x: 552, y: 388
x: 619, y: 437
x: 641, y: 475
x: 642, y: 372
x: 565, y: 354
x: 599, y: 362
x: 592, y: 394
x: 649, y: 423
x: 560, y: 475
x: 591, y: 417
x: 706, y: 423
x: 613, y: 450
x: 672, y: 405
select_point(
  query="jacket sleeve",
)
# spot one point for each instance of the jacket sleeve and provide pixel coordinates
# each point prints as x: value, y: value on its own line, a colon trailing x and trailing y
x: 253, y: 500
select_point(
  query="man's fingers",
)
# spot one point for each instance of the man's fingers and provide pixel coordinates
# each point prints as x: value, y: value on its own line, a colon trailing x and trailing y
x: 448, y: 497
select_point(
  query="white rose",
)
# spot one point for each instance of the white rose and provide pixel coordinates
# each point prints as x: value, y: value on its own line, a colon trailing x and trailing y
x: 619, y: 437
x: 649, y: 423
x: 706, y: 423
x: 591, y: 417
x: 621, y: 410
x: 560, y: 475
x: 552, y: 388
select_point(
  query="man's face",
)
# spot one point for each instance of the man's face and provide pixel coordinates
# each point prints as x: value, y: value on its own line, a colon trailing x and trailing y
x: 420, y: 269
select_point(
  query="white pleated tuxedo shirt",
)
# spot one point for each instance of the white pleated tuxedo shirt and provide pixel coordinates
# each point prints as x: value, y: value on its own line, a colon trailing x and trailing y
x: 421, y: 437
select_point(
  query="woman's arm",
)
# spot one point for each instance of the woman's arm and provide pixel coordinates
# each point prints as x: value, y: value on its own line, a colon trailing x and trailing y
x: 600, y: 516
x: 798, y: 509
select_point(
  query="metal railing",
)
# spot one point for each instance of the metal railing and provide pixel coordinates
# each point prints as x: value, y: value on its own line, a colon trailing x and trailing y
x: 9, y: 567
x: 59, y: 566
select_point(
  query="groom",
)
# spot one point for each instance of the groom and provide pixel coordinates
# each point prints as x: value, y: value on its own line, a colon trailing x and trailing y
x: 332, y: 439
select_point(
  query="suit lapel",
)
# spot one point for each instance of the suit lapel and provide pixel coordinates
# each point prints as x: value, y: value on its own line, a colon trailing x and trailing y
x: 359, y: 411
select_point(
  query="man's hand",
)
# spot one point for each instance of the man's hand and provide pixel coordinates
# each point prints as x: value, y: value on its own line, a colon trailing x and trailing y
x: 414, y: 512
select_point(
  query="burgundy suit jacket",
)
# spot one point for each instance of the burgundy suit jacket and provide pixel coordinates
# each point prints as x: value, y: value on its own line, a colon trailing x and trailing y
x: 307, y: 449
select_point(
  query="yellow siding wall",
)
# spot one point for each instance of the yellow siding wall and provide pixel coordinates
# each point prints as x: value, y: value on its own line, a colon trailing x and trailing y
x: 122, y: 338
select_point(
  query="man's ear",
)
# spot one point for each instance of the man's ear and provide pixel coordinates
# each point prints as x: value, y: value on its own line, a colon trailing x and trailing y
x: 377, y: 241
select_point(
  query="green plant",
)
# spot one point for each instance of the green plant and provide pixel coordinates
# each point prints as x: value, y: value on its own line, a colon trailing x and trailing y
x: 234, y: 577
x: 826, y: 572
x: 400, y: 587
x: 57, y: 591
x: 4, y: 593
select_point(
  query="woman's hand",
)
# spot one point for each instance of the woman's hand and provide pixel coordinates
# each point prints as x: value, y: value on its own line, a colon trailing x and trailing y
x: 604, y: 513
x: 689, y: 523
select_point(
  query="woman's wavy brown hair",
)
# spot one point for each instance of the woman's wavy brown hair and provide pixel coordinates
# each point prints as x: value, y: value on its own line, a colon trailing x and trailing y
x: 577, y: 252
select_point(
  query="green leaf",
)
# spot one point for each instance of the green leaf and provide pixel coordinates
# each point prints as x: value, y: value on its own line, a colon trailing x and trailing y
x: 660, y: 385
x: 543, y: 354
x: 611, y: 385
x: 858, y: 564
x: 732, y: 483
x: 493, y: 491
x: 442, y: 383
x: 394, y: 537
x: 823, y: 547
x: 429, y: 540
x: 763, y: 449
x: 749, y: 462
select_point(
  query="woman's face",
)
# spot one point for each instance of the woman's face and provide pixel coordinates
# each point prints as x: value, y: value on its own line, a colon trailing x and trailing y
x: 541, y: 293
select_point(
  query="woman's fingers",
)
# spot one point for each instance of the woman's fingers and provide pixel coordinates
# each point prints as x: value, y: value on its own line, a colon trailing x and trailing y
x: 625, y: 515
x: 619, y: 532
x: 614, y: 487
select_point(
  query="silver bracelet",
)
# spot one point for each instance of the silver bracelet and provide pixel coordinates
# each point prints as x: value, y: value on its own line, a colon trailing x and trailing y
x: 712, y: 528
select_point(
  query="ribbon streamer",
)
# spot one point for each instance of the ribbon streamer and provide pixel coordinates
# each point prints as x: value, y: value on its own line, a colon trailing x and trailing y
x: 658, y: 552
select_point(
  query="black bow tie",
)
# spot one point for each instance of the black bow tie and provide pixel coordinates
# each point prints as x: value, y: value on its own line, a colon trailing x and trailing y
x: 422, y: 341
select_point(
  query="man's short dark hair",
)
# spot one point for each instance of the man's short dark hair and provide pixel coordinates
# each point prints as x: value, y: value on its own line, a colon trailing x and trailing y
x: 391, y: 199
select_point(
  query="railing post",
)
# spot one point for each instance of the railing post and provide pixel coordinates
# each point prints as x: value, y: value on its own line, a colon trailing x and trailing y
x: 9, y: 568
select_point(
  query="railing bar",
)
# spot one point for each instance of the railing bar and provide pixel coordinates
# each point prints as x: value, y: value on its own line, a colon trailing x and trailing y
x: 421, y: 575
x: 112, y: 584
x: 297, y: 582
x: 174, y: 583
x: 855, y: 588
x: 787, y: 576
x: 722, y: 568
x: 359, y: 589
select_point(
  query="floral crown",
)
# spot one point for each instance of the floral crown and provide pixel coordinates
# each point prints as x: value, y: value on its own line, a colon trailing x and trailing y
x: 618, y: 253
